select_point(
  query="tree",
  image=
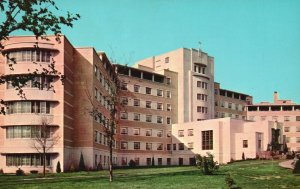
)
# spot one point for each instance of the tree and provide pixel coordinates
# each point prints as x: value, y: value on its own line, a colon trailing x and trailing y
x: 153, y: 161
x: 81, y: 166
x: 34, y: 16
x: 43, y: 140
x: 243, y: 156
x: 58, y: 169
x: 207, y: 163
x: 296, y: 169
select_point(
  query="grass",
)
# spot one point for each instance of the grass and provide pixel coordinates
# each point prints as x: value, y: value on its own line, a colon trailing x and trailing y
x: 247, y: 174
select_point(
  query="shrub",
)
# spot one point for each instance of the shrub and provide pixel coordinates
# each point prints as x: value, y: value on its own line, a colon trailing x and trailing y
x: 1, y: 171
x: 243, y: 156
x: 131, y: 163
x: 81, y: 166
x: 72, y: 168
x: 296, y: 169
x: 230, y: 182
x: 34, y: 171
x: 99, y: 167
x: 58, y: 169
x: 153, y: 162
x: 207, y: 163
x: 20, y: 172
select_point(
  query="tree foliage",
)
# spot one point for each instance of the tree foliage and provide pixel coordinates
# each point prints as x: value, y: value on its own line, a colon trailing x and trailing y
x: 58, y: 169
x: 81, y: 166
x: 207, y: 163
x: 296, y: 169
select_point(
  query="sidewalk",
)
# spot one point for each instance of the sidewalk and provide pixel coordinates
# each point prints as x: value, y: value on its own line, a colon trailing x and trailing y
x: 287, y: 164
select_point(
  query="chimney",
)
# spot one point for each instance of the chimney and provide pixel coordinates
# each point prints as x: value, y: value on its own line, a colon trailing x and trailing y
x: 275, y: 96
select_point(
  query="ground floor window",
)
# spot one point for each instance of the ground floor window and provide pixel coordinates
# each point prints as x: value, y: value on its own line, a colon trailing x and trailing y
x: 168, y: 161
x: 192, y: 161
x: 159, y: 161
x: 180, y: 161
x: 148, y: 161
x: 27, y: 160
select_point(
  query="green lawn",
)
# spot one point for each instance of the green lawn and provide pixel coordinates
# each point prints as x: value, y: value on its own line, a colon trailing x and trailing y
x: 247, y: 174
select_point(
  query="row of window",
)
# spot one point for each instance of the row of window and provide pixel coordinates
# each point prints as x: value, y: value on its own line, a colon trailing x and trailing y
x: 190, y: 132
x: 147, y: 132
x: 105, y: 83
x: 148, y: 104
x: 202, y: 109
x: 199, y: 68
x: 202, y: 97
x: 137, y: 146
x: 292, y: 139
x: 289, y: 129
x: 28, y: 107
x: 274, y: 118
x: 100, y: 118
x: 28, y: 132
x: 148, y: 90
x: 225, y: 114
x: 156, y: 161
x: 147, y: 118
x: 105, y: 160
x: 202, y: 84
x: 29, y: 56
x: 101, y: 138
x: 229, y: 105
x: 100, y: 98
x: 40, y: 82
x: 27, y: 160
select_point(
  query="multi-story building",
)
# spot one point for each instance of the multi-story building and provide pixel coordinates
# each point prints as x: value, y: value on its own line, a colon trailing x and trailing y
x: 149, y: 110
x: 195, y: 81
x: 230, y: 103
x: 284, y: 111
x: 160, y: 96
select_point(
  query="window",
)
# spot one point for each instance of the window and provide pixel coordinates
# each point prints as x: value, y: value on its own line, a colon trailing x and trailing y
x: 298, y: 139
x: 136, y: 117
x: 229, y: 105
x: 136, y: 131
x: 167, y: 60
x: 274, y: 118
x: 259, y: 144
x: 168, y: 107
x: 159, y: 92
x: 180, y: 133
x: 148, y: 90
x: 297, y: 129
x: 159, y: 146
x: 136, y: 145
x: 148, y: 104
x: 27, y: 160
x: 149, y: 161
x: 159, y: 133
x: 190, y: 145
x: 190, y: 132
x: 180, y: 146
x: 168, y: 81
x: 159, y: 119
x: 124, y: 130
x: 159, y: 161
x: 288, y: 139
x: 174, y: 147
x: 168, y: 94
x: 29, y: 56
x: 124, y: 100
x: 286, y: 129
x: 124, y: 145
x: 124, y: 115
x: 245, y: 143
x: 136, y: 88
x: 137, y: 161
x: 124, y: 86
x: 168, y: 120
x: 136, y: 102
x: 169, y: 134
x: 148, y: 118
x: 124, y: 161
x: 148, y: 132
x: 297, y: 118
x: 207, y: 140
x: 28, y: 107
x: 263, y: 118
x: 168, y: 147
x: 148, y: 146
x: 27, y: 131
x: 199, y: 84
x: 286, y: 118
x: 169, y: 161
x: 159, y: 106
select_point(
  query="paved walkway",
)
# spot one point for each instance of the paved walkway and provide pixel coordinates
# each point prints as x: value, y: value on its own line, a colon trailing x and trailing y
x: 287, y: 164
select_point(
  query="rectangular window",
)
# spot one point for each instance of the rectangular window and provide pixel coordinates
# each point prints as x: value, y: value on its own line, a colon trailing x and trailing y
x: 169, y: 161
x: 124, y: 86
x: 159, y: 161
x: 190, y: 145
x: 180, y: 133
x: 168, y: 94
x: 124, y: 145
x: 148, y: 118
x: 169, y: 134
x: 136, y: 102
x: 180, y: 146
x: 148, y: 104
x: 159, y: 92
x: 207, y: 140
x: 149, y: 161
x: 286, y: 118
x: 168, y: 147
x: 124, y: 101
x: 136, y: 131
x: 124, y: 115
x: 136, y: 117
x: 174, y: 147
x: 245, y: 143
x: 159, y: 106
x: 148, y: 132
x: 136, y: 145
x: 159, y: 119
x: 148, y: 90
x: 137, y: 161
x: 199, y: 84
x: 168, y: 107
x: 168, y: 81
x: 159, y: 133
x: 297, y: 118
x: 167, y: 60
x: 136, y: 88
x: 190, y: 132
x: 286, y: 129
x: 159, y: 146
x: 148, y: 146
x: 168, y: 120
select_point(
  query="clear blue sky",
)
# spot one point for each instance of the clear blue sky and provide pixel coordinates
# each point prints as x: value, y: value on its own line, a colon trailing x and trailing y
x: 255, y: 43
